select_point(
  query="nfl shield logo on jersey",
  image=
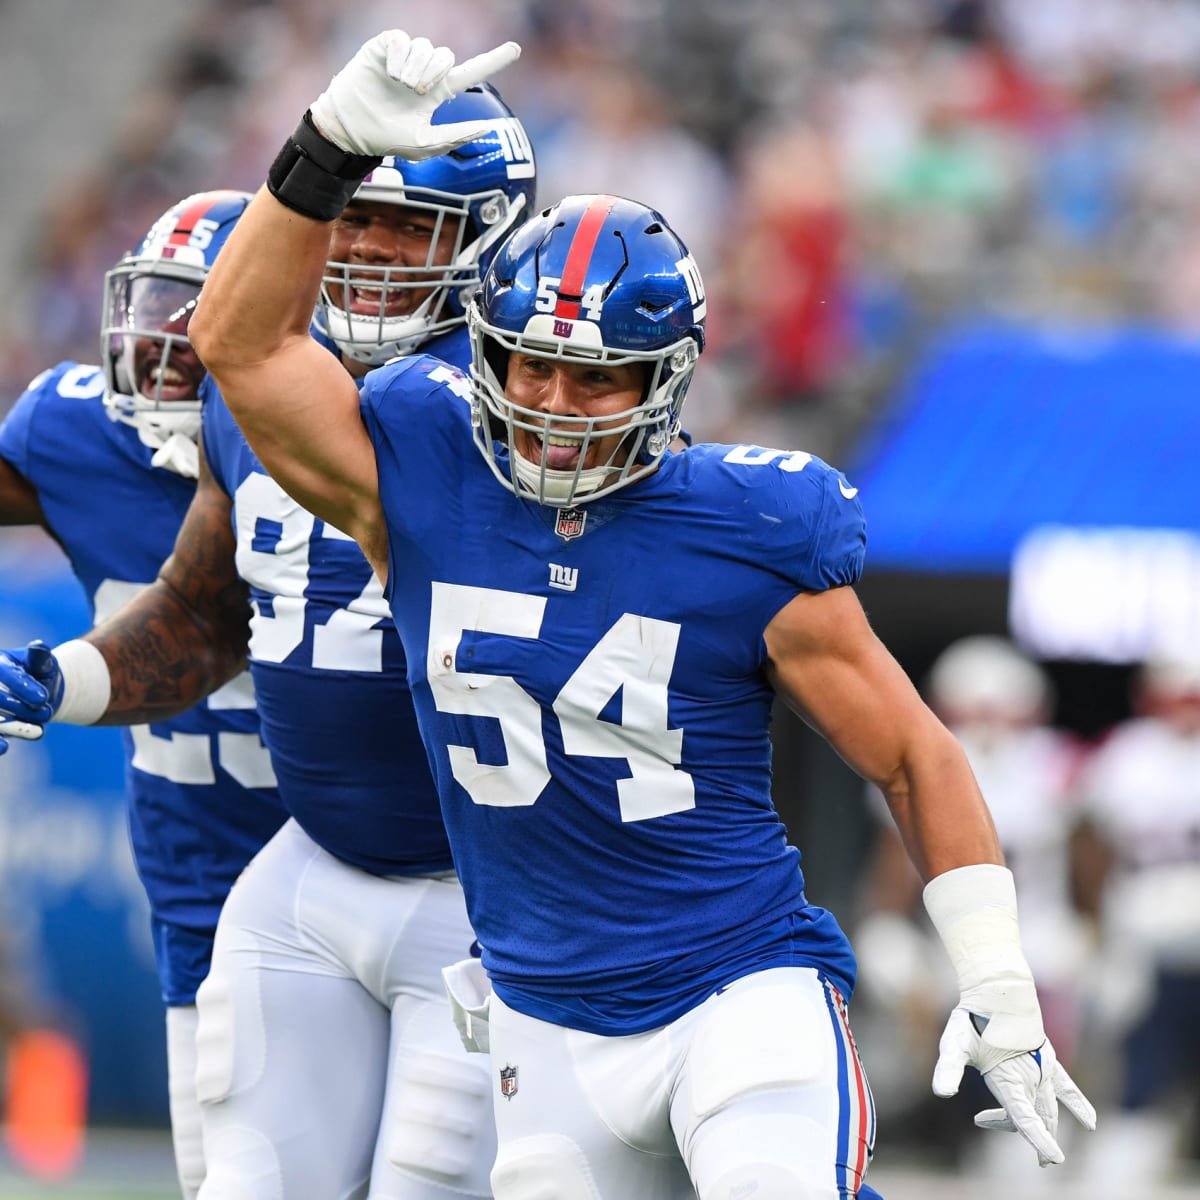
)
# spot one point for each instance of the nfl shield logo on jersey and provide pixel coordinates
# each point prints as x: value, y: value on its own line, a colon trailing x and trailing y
x: 570, y: 523
x: 508, y: 1082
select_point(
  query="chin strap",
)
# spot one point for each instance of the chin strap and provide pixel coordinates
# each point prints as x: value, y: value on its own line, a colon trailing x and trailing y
x: 179, y: 454
x: 174, y: 449
x: 175, y: 452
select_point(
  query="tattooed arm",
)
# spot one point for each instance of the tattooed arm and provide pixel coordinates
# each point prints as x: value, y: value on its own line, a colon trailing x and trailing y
x: 186, y: 634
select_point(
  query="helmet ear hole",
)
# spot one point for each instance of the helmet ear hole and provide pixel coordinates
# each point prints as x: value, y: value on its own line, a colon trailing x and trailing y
x: 497, y: 360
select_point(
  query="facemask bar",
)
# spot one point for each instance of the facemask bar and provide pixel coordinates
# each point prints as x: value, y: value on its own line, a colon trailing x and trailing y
x: 646, y: 430
x: 375, y: 337
x: 144, y: 337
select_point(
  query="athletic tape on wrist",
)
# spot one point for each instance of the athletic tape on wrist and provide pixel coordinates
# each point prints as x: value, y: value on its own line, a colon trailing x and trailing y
x: 974, y: 910
x: 87, y: 684
x: 314, y: 177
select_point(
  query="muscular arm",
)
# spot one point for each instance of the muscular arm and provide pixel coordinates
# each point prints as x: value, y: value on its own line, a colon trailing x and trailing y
x: 294, y: 401
x: 19, y: 503
x: 186, y: 634
x: 827, y: 664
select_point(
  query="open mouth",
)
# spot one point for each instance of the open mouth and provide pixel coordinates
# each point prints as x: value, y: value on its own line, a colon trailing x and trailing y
x: 367, y: 301
x: 167, y: 384
x: 557, y: 453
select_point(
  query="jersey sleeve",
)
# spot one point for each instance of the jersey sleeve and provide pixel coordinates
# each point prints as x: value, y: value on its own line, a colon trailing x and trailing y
x: 213, y: 413
x: 786, y: 523
x: 16, y: 434
x: 838, y: 544
x: 417, y: 413
x: 818, y: 541
x: 812, y: 531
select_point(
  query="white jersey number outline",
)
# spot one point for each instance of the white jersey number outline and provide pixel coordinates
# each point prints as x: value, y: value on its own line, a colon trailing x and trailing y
x: 188, y: 758
x: 349, y: 639
x: 635, y: 656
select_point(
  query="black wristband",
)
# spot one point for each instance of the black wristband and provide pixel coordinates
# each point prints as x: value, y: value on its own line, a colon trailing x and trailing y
x: 314, y: 177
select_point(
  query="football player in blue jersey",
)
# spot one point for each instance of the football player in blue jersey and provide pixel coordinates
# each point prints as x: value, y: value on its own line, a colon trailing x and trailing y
x: 595, y: 629
x: 104, y: 458
x: 324, y: 1027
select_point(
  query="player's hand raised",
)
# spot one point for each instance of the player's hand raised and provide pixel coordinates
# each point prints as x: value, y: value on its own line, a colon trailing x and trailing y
x: 382, y: 101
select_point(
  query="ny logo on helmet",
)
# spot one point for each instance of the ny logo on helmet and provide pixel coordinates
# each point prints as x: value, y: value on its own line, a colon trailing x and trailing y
x: 695, y: 285
x: 516, y: 148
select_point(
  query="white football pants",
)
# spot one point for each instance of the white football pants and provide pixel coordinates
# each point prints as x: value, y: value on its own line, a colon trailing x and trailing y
x: 328, y: 1063
x: 758, y: 1092
x: 186, y: 1139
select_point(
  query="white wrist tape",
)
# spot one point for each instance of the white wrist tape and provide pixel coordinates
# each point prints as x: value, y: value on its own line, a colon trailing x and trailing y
x: 974, y: 910
x: 87, y: 684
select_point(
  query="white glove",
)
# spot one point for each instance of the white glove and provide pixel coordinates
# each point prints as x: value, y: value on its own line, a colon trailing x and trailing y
x: 997, y: 1025
x: 1027, y: 1084
x: 470, y: 994
x: 382, y: 100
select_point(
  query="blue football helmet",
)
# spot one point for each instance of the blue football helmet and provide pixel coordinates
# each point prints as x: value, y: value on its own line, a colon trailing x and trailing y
x: 151, y: 374
x: 595, y: 279
x: 478, y: 193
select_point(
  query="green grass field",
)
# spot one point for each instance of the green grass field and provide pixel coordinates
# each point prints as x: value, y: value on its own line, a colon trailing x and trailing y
x: 117, y: 1165
x: 123, y: 1165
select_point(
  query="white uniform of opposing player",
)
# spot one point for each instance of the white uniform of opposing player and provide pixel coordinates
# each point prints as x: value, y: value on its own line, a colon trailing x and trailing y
x: 996, y: 701
x: 1142, y: 804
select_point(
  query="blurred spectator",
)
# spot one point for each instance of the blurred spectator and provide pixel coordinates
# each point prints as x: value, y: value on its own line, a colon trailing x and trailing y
x: 786, y: 287
x: 620, y: 138
x: 1138, y: 870
x: 997, y: 702
x: 895, y: 164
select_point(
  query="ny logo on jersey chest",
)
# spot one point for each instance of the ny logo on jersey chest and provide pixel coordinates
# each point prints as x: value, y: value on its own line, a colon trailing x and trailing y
x: 563, y: 578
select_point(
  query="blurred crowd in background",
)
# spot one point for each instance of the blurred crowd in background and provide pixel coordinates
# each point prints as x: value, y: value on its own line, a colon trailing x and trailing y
x: 851, y: 177
x: 848, y: 176
x: 1103, y: 837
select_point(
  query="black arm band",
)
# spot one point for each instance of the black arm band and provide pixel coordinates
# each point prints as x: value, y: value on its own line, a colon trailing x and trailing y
x: 314, y: 177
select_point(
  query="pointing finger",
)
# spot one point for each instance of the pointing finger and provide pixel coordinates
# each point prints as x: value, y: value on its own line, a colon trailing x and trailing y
x: 482, y: 66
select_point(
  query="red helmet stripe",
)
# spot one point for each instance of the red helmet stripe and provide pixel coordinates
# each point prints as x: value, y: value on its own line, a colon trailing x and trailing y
x: 186, y: 221
x: 580, y: 255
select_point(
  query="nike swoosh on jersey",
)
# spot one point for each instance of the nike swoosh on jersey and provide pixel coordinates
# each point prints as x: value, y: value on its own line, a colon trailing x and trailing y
x: 848, y: 492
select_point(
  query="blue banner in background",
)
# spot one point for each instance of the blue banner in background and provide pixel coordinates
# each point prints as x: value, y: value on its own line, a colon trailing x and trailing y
x: 75, y: 924
x: 1004, y: 429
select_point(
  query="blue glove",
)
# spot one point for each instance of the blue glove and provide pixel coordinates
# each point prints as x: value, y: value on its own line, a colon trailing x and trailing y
x: 31, y: 689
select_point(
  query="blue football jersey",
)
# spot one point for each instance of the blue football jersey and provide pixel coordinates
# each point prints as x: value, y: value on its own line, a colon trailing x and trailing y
x: 200, y: 787
x: 591, y: 688
x: 329, y: 670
